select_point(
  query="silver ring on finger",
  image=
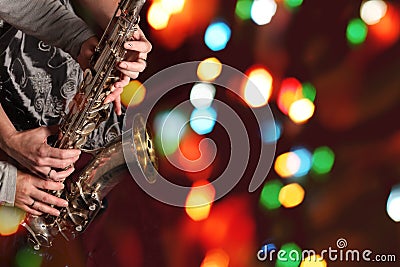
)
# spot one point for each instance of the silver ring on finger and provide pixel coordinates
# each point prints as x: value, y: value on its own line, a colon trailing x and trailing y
x: 31, y: 205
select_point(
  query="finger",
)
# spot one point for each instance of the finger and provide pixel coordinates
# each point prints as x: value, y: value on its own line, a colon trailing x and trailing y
x: 111, y: 97
x: 31, y: 211
x: 142, y: 46
x: 47, y: 184
x: 52, y: 152
x: 130, y: 74
x: 27, y: 208
x: 61, y: 175
x: 42, y: 207
x: 46, y: 198
x: 122, y: 82
x: 117, y: 105
x: 135, y: 66
x: 56, y: 163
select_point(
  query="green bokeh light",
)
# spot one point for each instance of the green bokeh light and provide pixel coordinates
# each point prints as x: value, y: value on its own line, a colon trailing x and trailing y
x: 322, y: 160
x: 309, y: 91
x: 291, y: 256
x: 243, y: 9
x: 270, y: 194
x: 356, y: 31
x: 26, y: 258
x: 293, y: 3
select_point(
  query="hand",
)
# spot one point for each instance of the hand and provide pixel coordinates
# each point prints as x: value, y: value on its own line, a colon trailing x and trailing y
x: 30, y: 197
x: 134, y: 63
x: 31, y: 150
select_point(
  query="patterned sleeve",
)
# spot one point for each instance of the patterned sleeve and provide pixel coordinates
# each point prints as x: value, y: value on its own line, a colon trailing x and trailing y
x: 8, y: 178
x: 47, y: 20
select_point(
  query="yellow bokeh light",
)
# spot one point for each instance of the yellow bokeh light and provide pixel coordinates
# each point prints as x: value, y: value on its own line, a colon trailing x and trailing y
x: 291, y: 195
x: 258, y: 88
x: 133, y: 94
x: 199, y: 201
x: 11, y: 217
x: 158, y: 16
x: 173, y: 6
x: 216, y: 258
x: 301, y: 110
x: 287, y: 164
x: 209, y: 69
x: 314, y: 261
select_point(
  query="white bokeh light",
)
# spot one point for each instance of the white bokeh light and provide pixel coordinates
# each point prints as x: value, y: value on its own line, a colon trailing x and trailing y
x: 371, y: 12
x: 262, y: 11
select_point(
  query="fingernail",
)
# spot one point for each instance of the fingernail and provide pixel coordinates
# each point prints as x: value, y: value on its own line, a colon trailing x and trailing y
x: 123, y: 65
x: 57, y: 213
x: 107, y: 101
x: 65, y: 203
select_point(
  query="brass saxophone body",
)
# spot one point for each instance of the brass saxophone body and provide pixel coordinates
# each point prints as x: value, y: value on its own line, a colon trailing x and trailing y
x: 85, y: 192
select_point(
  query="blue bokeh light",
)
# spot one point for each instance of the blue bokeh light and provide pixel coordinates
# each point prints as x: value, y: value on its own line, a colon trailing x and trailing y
x: 217, y: 36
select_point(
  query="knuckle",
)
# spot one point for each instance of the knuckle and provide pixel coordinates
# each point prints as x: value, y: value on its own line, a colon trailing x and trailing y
x: 42, y: 151
x: 40, y: 161
x: 45, y: 199
x: 47, y: 184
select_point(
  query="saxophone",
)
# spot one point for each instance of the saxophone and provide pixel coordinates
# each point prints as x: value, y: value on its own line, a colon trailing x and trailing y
x: 86, y: 191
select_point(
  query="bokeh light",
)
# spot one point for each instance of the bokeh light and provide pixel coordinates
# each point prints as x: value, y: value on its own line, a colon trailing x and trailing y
x: 216, y: 258
x: 169, y: 128
x: 301, y: 110
x: 305, y: 161
x: 11, y: 217
x: 258, y: 87
x: 293, y: 3
x: 387, y: 31
x: 291, y: 195
x: 323, y: 159
x: 199, y: 200
x: 271, y: 131
x: 133, y: 94
x: 371, y: 12
x: 314, y: 261
x: 290, y: 91
x: 262, y: 11
x: 203, y: 120
x: 243, y: 9
x: 393, y: 204
x: 202, y: 95
x: 269, y: 197
x: 287, y: 164
x: 309, y: 91
x: 27, y: 258
x: 173, y: 6
x: 196, y: 156
x: 356, y: 31
x: 209, y: 69
x: 217, y: 36
x: 158, y: 16
x: 291, y: 256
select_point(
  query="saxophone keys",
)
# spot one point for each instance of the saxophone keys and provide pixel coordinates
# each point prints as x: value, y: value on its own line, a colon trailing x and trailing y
x: 81, y: 141
x: 88, y: 128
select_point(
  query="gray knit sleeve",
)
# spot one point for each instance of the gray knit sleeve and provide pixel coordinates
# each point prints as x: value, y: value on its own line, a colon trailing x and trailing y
x: 47, y: 20
x: 8, y: 179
